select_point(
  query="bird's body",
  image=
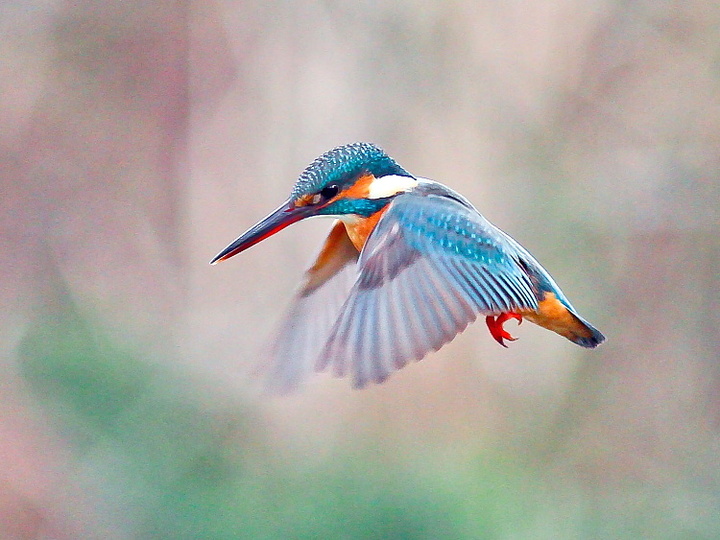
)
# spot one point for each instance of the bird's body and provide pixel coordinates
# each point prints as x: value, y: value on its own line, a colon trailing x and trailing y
x: 407, y: 266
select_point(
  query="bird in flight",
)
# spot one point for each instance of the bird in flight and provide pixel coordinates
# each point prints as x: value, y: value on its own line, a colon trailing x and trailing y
x: 408, y: 264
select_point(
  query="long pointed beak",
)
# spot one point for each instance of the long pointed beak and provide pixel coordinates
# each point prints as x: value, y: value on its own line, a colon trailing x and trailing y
x: 285, y: 215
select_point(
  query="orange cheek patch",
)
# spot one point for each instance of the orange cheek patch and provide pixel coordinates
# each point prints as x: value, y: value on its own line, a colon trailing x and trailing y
x: 359, y: 190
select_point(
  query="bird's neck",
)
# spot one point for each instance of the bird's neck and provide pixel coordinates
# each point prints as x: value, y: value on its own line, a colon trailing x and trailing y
x: 359, y: 227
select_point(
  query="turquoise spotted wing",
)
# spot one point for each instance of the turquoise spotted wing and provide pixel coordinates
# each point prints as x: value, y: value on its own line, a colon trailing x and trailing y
x: 300, y: 336
x: 431, y: 265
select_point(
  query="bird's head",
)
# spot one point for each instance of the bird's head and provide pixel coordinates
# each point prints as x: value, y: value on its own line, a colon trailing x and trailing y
x: 356, y: 179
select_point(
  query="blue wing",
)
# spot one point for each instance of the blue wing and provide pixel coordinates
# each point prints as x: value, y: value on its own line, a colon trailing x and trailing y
x: 299, y: 338
x: 431, y: 265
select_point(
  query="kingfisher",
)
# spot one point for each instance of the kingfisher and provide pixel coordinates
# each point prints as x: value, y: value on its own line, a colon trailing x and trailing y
x: 408, y: 265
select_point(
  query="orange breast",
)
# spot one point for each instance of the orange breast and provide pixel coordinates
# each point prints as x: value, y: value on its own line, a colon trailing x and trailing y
x: 359, y: 229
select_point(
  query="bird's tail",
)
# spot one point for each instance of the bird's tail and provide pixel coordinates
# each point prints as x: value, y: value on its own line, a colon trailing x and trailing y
x: 561, y: 318
x: 585, y: 334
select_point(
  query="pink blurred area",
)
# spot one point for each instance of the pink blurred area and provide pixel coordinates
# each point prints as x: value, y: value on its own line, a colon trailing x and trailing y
x: 140, y: 138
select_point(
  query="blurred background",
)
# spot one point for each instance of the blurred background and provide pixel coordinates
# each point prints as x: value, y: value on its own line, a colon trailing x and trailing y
x: 137, y: 139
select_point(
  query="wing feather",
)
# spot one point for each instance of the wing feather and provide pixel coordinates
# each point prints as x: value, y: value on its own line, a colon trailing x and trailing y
x: 401, y: 353
x: 473, y: 292
x: 424, y: 294
x: 450, y: 313
x: 297, y: 342
x: 428, y: 269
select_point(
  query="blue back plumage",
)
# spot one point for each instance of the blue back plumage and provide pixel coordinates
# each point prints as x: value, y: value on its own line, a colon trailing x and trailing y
x: 344, y: 164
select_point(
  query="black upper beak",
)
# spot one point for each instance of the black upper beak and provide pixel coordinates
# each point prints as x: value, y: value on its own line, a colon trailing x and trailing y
x: 285, y: 215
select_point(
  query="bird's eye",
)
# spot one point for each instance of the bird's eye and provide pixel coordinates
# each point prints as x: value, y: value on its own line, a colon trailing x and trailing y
x: 329, y: 192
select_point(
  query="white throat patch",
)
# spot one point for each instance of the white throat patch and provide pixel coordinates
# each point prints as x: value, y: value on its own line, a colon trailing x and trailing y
x: 387, y: 186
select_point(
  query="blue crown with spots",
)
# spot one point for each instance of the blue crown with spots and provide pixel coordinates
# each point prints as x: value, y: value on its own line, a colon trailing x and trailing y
x: 343, y: 164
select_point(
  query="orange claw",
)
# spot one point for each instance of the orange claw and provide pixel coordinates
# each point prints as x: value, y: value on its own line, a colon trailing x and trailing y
x: 495, y: 325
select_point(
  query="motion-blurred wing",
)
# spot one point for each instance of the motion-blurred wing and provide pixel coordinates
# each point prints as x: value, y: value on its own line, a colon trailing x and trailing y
x: 429, y: 267
x: 301, y: 335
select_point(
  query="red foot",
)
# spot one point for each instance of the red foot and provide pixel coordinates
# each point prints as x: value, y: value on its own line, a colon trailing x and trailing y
x: 495, y: 325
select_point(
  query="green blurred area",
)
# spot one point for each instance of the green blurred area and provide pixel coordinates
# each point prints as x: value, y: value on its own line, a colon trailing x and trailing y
x: 155, y: 457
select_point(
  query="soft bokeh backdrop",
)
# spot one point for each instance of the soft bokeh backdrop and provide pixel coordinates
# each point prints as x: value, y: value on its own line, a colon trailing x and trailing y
x: 138, y: 138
